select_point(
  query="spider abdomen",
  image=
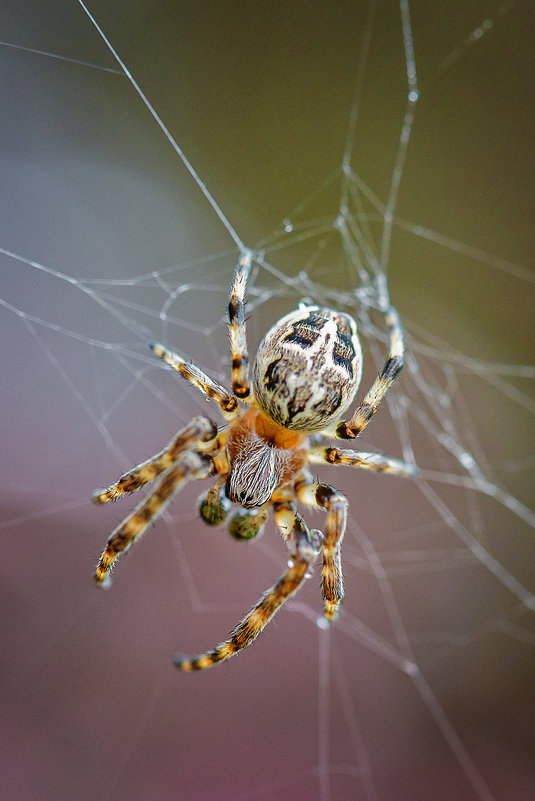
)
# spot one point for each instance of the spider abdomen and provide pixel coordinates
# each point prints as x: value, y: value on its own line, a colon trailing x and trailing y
x: 308, y: 368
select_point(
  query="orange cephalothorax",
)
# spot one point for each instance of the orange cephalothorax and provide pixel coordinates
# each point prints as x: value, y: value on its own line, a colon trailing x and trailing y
x: 262, y: 456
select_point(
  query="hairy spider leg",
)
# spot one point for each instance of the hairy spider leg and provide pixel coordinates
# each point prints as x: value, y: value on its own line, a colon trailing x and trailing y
x: 200, y: 429
x: 335, y: 504
x: 237, y: 328
x: 188, y: 465
x: 228, y: 404
x: 289, y: 523
x: 377, y: 462
x: 304, y: 548
x: 392, y: 368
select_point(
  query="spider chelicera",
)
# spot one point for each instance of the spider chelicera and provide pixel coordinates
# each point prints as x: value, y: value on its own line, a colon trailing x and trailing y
x: 305, y: 376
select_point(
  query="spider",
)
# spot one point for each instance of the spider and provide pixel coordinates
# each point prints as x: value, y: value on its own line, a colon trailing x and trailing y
x: 305, y: 377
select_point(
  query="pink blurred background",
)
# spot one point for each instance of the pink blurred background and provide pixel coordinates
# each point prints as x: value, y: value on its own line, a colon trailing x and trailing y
x: 258, y: 98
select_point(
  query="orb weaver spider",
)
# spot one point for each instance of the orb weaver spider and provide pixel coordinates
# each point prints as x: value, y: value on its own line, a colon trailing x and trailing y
x: 305, y: 376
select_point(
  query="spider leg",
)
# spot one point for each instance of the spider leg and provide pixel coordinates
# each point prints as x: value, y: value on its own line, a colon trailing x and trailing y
x: 188, y: 465
x: 228, y: 404
x: 335, y: 504
x: 304, y: 548
x: 237, y: 328
x: 287, y: 520
x: 392, y: 368
x: 368, y: 461
x: 199, y: 430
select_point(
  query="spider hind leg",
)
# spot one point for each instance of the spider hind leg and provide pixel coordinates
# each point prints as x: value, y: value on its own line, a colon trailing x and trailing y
x: 348, y: 429
x: 237, y: 328
x: 229, y: 405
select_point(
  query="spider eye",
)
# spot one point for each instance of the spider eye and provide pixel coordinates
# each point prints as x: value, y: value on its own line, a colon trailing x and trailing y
x: 254, y: 475
x: 248, y: 497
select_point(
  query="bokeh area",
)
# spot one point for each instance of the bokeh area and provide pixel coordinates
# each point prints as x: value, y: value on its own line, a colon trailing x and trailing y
x: 288, y: 114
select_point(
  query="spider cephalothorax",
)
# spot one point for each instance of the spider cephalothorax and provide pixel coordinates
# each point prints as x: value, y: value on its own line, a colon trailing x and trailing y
x: 261, y: 456
x: 305, y: 377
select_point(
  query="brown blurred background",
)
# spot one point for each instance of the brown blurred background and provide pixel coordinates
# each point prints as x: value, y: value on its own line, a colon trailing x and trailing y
x: 258, y: 97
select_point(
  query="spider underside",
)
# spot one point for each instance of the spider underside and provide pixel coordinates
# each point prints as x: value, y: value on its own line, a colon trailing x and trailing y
x: 305, y: 377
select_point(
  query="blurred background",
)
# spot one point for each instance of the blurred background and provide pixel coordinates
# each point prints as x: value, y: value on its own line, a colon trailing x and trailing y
x: 425, y: 687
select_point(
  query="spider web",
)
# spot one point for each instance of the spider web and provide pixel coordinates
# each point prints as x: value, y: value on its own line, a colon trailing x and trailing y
x: 360, y: 151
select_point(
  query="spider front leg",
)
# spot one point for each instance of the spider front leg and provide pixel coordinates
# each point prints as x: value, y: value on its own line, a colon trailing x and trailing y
x: 304, y: 548
x: 188, y: 465
x: 335, y: 504
x: 392, y: 368
x: 199, y: 430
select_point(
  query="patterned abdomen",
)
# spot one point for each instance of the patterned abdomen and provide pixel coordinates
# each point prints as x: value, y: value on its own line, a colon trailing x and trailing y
x: 308, y: 368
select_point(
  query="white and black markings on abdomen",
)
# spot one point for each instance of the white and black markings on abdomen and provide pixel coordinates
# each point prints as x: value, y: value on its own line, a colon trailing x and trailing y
x: 308, y: 368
